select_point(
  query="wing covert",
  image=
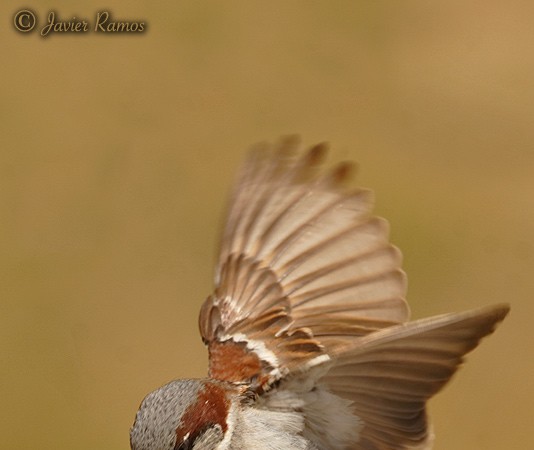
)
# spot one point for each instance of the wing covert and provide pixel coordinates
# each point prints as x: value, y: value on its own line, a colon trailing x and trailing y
x: 302, y: 265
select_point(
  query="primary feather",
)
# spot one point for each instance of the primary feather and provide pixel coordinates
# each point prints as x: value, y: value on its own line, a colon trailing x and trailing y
x: 302, y: 261
x: 307, y: 282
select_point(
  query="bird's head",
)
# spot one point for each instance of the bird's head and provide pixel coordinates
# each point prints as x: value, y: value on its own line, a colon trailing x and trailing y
x: 182, y: 415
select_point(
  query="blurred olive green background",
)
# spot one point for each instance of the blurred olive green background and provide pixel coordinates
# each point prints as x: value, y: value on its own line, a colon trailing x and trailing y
x: 117, y: 153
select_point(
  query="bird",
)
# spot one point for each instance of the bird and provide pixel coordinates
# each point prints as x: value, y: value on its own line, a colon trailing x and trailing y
x: 308, y: 333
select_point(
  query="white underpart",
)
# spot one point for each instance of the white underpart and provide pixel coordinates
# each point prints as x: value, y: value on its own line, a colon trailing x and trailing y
x: 260, y: 429
x: 289, y: 420
x: 330, y: 421
x: 250, y: 428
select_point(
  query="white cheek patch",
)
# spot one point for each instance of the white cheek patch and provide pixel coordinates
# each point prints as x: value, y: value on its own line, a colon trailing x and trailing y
x: 230, y: 423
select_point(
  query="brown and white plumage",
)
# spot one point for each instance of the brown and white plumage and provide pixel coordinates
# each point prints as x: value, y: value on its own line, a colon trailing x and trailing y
x: 306, y: 277
x: 309, y: 342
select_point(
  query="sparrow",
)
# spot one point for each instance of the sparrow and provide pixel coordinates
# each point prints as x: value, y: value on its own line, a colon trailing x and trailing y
x: 308, y: 332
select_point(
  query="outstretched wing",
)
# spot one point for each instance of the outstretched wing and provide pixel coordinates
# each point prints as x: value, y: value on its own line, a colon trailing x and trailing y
x: 390, y: 374
x: 303, y: 264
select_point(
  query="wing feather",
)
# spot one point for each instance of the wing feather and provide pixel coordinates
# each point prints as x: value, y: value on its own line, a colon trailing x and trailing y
x: 391, y: 373
x: 300, y: 255
x: 308, y: 287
